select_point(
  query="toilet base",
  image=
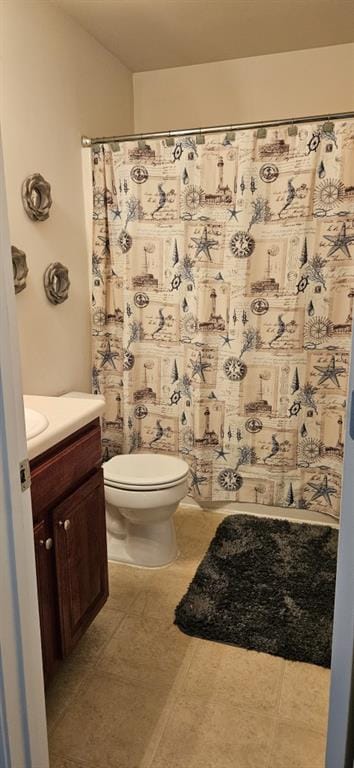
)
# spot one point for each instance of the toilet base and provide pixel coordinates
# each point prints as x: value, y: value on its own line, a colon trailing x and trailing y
x: 148, y: 546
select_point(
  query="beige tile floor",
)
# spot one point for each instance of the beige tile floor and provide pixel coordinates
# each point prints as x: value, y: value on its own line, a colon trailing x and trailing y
x: 137, y: 693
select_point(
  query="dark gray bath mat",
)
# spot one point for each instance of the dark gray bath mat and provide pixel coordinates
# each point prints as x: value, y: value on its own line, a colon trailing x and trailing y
x: 266, y: 585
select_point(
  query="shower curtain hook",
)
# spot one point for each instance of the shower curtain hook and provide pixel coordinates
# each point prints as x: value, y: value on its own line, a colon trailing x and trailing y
x: 200, y: 139
x: 328, y: 126
x: 292, y: 128
x: 261, y: 132
x: 141, y: 142
x: 170, y: 140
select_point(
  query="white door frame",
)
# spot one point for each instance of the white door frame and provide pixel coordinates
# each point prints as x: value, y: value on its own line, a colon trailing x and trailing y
x: 340, y: 733
x: 23, y: 732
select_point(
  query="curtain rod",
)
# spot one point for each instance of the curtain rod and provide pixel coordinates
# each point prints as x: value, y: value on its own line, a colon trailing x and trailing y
x: 89, y: 142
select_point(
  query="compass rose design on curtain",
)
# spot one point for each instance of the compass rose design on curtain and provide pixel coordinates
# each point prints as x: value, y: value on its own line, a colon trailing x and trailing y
x: 222, y: 297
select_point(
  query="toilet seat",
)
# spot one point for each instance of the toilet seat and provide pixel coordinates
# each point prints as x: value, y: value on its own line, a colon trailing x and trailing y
x: 144, y: 472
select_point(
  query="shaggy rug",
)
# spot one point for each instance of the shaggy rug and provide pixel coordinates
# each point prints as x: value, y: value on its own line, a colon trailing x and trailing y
x: 266, y: 585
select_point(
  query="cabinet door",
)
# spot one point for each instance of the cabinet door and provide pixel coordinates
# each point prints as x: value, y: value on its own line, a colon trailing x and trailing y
x: 79, y: 527
x: 47, y: 598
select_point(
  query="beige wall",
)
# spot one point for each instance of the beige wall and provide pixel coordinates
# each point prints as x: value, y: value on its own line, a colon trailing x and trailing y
x: 57, y: 82
x: 259, y: 88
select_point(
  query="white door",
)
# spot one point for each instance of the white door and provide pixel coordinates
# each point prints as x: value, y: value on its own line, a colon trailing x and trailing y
x: 23, y: 735
x: 340, y: 735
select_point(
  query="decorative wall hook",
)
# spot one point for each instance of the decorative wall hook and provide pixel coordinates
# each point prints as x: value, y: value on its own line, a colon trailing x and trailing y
x: 36, y: 197
x: 20, y: 268
x: 56, y: 282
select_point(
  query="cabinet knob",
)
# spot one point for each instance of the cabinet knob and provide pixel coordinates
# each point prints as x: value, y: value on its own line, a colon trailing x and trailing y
x: 64, y: 524
x: 48, y: 543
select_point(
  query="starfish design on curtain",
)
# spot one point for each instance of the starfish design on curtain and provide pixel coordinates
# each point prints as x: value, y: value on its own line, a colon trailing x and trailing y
x: 105, y: 244
x: 330, y: 372
x: 227, y: 339
x: 233, y: 213
x: 204, y: 244
x: 199, y: 367
x: 197, y: 480
x: 323, y: 490
x: 108, y: 355
x: 220, y: 453
x: 116, y: 213
x: 340, y: 241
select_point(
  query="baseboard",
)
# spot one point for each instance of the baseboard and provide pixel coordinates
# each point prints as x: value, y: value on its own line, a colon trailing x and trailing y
x: 260, y: 510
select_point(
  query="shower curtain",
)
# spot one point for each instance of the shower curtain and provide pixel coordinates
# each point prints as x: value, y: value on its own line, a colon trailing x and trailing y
x: 222, y: 296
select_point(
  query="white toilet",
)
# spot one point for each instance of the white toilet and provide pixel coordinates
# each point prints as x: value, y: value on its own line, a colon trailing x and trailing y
x: 142, y: 492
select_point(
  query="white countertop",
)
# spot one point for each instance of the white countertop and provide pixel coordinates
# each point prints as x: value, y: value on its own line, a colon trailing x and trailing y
x: 65, y: 416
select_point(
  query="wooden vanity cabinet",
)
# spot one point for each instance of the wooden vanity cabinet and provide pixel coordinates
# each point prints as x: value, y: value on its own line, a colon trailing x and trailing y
x: 81, y: 559
x: 70, y: 541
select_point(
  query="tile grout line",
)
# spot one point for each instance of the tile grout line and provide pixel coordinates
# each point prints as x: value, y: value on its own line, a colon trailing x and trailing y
x: 165, y: 717
x: 276, y: 717
x: 86, y: 673
x: 300, y: 724
x: 304, y: 726
x: 71, y: 697
x: 74, y: 763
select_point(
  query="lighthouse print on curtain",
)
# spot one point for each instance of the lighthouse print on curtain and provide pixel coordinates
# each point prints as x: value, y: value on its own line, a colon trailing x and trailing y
x: 223, y: 286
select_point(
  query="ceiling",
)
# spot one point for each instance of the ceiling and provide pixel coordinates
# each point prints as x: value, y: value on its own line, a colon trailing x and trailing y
x: 154, y: 34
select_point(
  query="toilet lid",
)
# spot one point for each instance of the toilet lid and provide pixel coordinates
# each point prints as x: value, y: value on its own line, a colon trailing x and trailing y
x: 144, y: 470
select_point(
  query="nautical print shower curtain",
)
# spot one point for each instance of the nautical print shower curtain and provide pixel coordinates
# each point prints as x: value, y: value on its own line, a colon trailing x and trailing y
x: 223, y: 286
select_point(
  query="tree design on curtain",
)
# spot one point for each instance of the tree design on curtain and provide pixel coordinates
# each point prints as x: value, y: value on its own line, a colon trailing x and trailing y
x: 223, y: 286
